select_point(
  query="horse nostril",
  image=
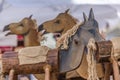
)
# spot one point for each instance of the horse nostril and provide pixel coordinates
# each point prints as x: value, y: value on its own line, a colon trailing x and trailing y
x: 21, y: 25
x: 40, y: 28
x: 56, y: 35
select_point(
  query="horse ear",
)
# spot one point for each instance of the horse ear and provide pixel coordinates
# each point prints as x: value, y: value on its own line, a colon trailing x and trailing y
x: 67, y: 11
x: 30, y: 16
x: 85, y: 17
x: 91, y: 14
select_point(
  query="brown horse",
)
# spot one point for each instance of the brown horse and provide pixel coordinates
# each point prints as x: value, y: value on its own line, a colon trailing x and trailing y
x: 27, y: 27
x: 62, y: 23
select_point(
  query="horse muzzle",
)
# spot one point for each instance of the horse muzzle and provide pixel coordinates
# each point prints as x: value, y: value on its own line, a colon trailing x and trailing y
x: 6, y: 28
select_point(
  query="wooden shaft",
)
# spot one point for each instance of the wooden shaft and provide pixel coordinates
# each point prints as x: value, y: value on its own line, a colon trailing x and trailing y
x: 107, y: 70
x: 15, y: 77
x: 2, y: 77
x: 12, y: 75
x: 47, y: 70
x: 115, y: 70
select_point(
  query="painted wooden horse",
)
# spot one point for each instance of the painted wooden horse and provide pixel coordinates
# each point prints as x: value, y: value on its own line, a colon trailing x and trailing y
x: 75, y: 56
x: 62, y: 23
x: 27, y: 27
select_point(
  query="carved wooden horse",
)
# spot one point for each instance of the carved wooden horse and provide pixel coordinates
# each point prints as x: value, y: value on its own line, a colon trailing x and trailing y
x: 74, y: 57
x: 62, y: 23
x: 27, y: 27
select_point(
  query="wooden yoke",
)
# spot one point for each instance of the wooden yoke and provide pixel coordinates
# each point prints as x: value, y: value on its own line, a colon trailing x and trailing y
x: 104, y: 49
x: 10, y: 63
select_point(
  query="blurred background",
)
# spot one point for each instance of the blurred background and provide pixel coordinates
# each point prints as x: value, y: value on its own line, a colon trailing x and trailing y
x: 42, y: 10
x: 107, y: 12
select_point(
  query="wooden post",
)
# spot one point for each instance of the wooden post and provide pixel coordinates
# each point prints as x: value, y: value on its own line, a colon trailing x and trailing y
x: 115, y: 69
x: 12, y: 76
x: 47, y: 69
x: 2, y: 77
x: 15, y: 77
x: 107, y: 66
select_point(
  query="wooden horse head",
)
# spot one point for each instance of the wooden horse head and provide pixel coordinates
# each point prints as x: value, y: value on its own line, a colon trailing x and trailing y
x: 71, y: 58
x: 60, y: 24
x: 27, y: 27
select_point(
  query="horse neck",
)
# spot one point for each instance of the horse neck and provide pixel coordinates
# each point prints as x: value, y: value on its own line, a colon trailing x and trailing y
x: 30, y: 39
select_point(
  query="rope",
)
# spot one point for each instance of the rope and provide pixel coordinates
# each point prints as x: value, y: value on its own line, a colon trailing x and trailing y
x: 92, y: 73
x: 62, y: 42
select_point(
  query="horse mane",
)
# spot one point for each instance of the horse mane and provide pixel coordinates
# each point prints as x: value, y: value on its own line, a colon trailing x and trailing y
x: 62, y: 42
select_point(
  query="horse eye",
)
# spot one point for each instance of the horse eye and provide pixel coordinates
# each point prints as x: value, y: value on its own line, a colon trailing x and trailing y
x: 76, y: 41
x: 21, y: 25
x: 58, y: 21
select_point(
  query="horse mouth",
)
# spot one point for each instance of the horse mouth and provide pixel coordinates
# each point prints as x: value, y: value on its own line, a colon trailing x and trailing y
x: 6, y: 28
x: 56, y: 35
x: 60, y: 32
x: 9, y: 33
x: 43, y: 31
